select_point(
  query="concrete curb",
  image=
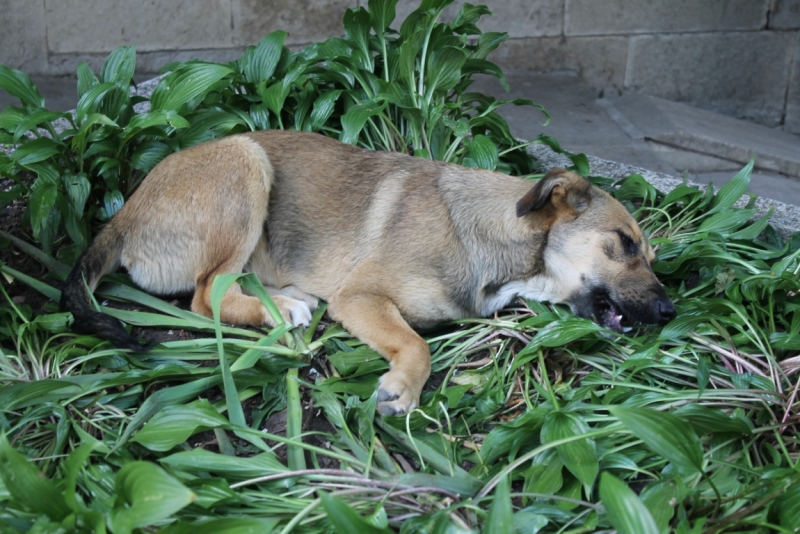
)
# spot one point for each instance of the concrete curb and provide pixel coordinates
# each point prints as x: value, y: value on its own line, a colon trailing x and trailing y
x: 785, y: 219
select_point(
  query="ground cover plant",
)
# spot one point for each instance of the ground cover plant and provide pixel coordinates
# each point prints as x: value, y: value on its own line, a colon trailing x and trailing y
x: 533, y: 421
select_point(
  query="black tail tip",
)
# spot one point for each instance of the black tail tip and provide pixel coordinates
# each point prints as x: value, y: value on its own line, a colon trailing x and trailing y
x: 107, y: 328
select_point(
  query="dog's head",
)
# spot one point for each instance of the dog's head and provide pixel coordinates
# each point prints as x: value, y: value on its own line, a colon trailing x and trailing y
x: 596, y: 254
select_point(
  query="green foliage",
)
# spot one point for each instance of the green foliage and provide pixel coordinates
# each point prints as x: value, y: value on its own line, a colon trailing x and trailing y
x: 539, y: 422
x: 378, y: 88
x: 535, y: 421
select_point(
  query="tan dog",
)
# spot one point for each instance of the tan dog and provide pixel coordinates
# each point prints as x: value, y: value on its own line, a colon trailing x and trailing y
x: 390, y: 241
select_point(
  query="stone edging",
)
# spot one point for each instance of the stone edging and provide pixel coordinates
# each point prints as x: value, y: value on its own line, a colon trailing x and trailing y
x: 785, y: 219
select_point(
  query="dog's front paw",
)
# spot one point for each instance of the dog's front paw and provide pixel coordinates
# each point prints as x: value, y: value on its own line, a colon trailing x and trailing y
x: 296, y: 312
x: 397, y: 394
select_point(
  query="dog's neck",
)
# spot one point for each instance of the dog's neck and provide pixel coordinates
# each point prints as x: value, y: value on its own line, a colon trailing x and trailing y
x: 506, y: 252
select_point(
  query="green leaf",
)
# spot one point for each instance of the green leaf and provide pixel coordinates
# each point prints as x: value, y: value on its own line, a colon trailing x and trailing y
x: 119, y: 66
x: 10, y: 118
x: 20, y: 86
x: 788, y: 508
x: 706, y: 420
x: 660, y: 498
x: 42, y: 199
x: 275, y: 95
x: 146, y: 495
x: 726, y: 221
x: 483, y: 66
x: 113, y: 201
x: 625, y: 511
x: 345, y: 520
x: 468, y: 16
x: 323, y: 109
x: 239, y: 468
x: 443, y: 70
x: 260, y: 116
x: 545, y: 478
x: 752, y: 231
x: 207, y: 124
x: 561, y: 332
x: 173, y: 425
x: 381, y: 14
x: 665, y: 434
x: 90, y: 102
x: 36, y: 151
x: 356, y: 117
x: 78, y: 188
x: 54, y: 322
x: 154, y: 118
x: 260, y: 63
x: 580, y: 163
x: 356, y: 28
x: 223, y: 525
x: 40, y: 117
x: 484, y: 152
x: 434, y: 6
x: 86, y: 79
x: 149, y: 154
x: 29, y: 486
x: 487, y: 43
x: 501, y: 513
x: 189, y: 82
x: 580, y: 456
x: 733, y: 190
x: 73, y: 464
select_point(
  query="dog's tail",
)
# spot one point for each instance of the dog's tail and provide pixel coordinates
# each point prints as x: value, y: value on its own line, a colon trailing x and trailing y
x: 102, y: 257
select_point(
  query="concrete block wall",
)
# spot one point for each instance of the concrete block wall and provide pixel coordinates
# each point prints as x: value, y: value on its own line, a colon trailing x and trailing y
x: 738, y: 57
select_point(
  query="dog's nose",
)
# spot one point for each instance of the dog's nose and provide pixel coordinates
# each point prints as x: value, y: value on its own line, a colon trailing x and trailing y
x: 666, y: 310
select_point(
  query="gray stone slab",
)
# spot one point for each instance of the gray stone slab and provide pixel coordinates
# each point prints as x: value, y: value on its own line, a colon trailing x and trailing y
x: 608, y: 17
x: 518, y: 18
x: 690, y: 161
x: 578, y: 122
x: 682, y: 126
x: 60, y: 94
x: 742, y: 74
x: 598, y: 61
x: 22, y: 36
x: 305, y: 21
x: 792, y: 118
x: 102, y: 25
x: 785, y: 15
x: 146, y: 62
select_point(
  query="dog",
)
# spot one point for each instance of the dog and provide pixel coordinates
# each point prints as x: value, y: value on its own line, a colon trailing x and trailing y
x: 391, y: 242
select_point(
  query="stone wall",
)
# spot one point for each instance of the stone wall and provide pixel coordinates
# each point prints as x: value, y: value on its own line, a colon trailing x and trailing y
x: 738, y: 57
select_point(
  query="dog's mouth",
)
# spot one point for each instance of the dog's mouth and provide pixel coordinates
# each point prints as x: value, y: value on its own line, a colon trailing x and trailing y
x: 609, y: 314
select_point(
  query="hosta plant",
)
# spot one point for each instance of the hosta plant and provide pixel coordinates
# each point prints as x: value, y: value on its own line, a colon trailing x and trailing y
x: 380, y: 88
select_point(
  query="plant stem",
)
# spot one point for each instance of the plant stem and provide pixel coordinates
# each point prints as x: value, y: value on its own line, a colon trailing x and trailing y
x: 294, y: 421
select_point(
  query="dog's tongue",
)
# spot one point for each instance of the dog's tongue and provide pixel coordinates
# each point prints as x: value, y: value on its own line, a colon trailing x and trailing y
x: 612, y: 319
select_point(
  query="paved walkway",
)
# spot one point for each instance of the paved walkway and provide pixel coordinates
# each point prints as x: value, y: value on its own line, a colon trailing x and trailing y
x: 653, y: 134
x: 641, y: 131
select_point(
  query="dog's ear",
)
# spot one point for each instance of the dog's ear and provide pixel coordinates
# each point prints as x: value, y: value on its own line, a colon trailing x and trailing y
x: 563, y: 189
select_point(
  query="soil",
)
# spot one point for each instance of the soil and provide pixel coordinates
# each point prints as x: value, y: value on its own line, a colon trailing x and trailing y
x: 11, y: 222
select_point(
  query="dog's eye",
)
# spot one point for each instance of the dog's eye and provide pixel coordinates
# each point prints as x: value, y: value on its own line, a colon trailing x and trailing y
x: 627, y: 243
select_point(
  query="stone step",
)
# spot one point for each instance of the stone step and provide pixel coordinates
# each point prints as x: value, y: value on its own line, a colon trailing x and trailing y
x: 709, y: 134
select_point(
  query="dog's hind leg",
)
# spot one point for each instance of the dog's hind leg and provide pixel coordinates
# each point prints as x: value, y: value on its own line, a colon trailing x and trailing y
x: 376, y: 320
x: 300, y: 304
x: 238, y: 308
